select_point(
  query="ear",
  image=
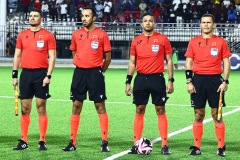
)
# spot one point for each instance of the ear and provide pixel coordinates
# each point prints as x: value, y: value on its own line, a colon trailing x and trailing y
x: 94, y: 18
x: 214, y: 25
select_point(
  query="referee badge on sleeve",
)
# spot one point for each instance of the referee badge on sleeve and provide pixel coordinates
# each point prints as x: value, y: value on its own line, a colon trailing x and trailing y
x: 40, y: 44
x: 94, y: 45
x: 214, y: 52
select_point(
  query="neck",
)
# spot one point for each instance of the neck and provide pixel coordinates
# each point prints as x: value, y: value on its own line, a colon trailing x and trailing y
x: 90, y: 28
x: 36, y: 28
x: 207, y: 35
x: 148, y: 33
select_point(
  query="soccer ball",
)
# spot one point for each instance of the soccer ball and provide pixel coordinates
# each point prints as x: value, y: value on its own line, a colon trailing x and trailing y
x: 144, y: 146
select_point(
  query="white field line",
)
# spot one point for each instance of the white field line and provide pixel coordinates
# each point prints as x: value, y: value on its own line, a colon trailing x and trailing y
x: 66, y: 100
x: 171, y: 134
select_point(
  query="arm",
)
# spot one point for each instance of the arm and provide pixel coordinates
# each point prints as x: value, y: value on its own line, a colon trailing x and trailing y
x: 169, y: 87
x: 131, y: 70
x: 16, y: 63
x: 226, y: 71
x: 190, y: 86
x: 52, y: 59
x: 107, y: 61
x: 73, y: 53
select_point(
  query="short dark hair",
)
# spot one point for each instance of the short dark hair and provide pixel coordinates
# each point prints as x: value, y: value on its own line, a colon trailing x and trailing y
x: 36, y: 10
x: 208, y: 15
x: 147, y: 14
x: 94, y: 13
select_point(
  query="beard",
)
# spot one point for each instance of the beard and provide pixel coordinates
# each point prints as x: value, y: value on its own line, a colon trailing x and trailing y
x: 87, y: 25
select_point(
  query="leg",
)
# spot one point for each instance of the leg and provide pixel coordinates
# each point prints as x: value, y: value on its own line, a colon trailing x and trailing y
x: 24, y: 124
x: 25, y: 118
x: 103, y: 120
x: 162, y: 124
x: 220, y: 132
x: 138, y: 124
x: 75, y: 120
x: 42, y: 118
x: 198, y: 126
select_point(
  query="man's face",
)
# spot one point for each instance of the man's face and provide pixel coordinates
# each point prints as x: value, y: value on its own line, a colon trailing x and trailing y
x: 87, y: 18
x: 207, y: 25
x: 35, y: 19
x: 148, y: 23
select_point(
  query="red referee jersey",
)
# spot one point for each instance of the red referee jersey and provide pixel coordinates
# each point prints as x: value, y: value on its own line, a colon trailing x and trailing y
x: 150, y: 52
x: 89, y: 47
x: 35, y: 47
x: 207, y: 54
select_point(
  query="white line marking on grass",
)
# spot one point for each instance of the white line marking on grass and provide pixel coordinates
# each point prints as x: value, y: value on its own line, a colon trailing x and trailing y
x: 171, y: 134
x: 68, y: 100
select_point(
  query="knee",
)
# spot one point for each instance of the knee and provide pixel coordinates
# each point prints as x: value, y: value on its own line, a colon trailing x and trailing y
x: 100, y: 108
x: 160, y: 111
x: 25, y: 110
x: 140, y: 111
x: 199, y: 117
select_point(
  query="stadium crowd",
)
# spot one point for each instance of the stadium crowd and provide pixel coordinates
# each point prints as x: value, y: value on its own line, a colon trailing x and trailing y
x: 164, y: 11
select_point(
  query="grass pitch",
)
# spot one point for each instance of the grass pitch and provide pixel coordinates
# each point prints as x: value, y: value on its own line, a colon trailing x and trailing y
x: 121, y: 112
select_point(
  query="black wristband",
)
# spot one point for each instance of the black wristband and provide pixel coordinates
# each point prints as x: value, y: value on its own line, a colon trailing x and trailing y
x: 15, y: 74
x: 189, y: 74
x: 128, y: 79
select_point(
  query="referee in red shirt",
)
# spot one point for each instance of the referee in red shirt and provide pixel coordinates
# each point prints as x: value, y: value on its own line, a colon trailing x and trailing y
x: 204, y: 59
x: 35, y: 53
x: 147, y: 54
x: 91, y: 55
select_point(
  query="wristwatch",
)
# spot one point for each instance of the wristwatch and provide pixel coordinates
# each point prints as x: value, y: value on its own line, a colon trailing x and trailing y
x: 49, y: 76
x: 171, y: 79
x: 189, y: 81
x: 226, y: 81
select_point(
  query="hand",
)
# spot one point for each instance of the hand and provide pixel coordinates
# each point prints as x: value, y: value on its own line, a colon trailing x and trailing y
x: 190, y: 88
x: 14, y: 82
x: 169, y: 87
x: 223, y: 87
x: 46, y: 81
x: 128, y: 90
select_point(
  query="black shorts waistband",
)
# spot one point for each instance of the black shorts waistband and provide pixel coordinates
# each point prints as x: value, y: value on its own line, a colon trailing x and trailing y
x: 89, y: 68
x: 153, y: 74
x: 207, y: 75
x: 34, y: 69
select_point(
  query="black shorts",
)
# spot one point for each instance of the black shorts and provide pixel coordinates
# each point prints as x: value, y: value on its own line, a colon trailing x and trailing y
x: 206, y: 90
x: 31, y: 81
x: 146, y: 84
x: 91, y: 80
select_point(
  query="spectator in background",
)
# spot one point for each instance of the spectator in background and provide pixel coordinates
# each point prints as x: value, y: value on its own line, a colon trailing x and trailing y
x: 53, y: 10
x: 172, y: 16
x: 99, y: 8
x: 45, y: 10
x: 26, y: 6
x: 20, y: 11
x: 72, y: 11
x: 157, y: 10
x: 63, y: 11
x: 37, y: 4
x: 187, y: 14
x: 80, y: 6
x: 59, y: 1
x: 179, y: 15
x: 232, y: 13
x: 9, y: 45
x: 221, y: 28
x: 116, y: 6
x: 175, y: 57
x: 143, y: 8
x: 107, y: 9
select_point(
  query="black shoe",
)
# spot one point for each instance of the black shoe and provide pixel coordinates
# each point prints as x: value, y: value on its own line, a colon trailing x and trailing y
x: 221, y: 151
x: 133, y: 150
x: 70, y: 147
x: 21, y: 145
x: 104, y: 146
x: 165, y: 150
x: 42, y: 146
x: 195, y: 151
